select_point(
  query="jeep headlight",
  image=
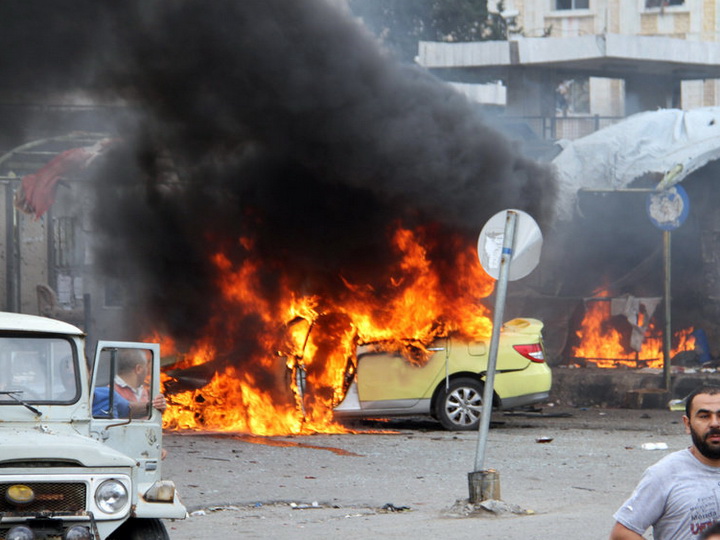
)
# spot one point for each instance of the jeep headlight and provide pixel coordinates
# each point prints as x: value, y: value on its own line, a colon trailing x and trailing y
x: 111, y: 496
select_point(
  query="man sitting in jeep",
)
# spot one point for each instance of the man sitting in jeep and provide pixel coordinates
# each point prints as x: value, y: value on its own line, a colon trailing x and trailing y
x: 130, y: 393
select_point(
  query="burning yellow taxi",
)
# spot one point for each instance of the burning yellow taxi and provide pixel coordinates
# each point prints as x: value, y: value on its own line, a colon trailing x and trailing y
x: 449, y: 386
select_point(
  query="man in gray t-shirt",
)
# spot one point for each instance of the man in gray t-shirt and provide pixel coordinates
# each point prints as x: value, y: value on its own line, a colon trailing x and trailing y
x: 679, y: 496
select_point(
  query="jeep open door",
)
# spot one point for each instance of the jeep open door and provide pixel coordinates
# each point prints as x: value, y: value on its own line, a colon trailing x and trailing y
x: 129, y: 424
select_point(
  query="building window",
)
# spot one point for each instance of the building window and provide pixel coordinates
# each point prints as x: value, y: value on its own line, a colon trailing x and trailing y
x: 663, y: 3
x: 574, y: 4
x: 572, y: 96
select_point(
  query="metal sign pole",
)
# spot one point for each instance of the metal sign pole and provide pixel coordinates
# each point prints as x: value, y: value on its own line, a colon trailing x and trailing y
x: 667, y: 345
x: 479, y: 480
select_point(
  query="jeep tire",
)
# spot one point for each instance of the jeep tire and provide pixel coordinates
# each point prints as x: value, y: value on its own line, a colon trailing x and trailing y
x: 141, y: 529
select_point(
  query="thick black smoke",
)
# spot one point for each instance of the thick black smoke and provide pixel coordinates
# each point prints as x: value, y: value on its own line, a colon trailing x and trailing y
x: 279, y: 120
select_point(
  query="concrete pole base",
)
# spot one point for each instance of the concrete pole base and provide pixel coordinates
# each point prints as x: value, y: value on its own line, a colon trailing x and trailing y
x: 484, y: 485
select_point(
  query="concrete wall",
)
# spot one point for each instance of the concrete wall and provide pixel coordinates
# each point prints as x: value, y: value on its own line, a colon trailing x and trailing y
x: 619, y: 388
x: 33, y: 260
x: 696, y: 20
x: 487, y: 94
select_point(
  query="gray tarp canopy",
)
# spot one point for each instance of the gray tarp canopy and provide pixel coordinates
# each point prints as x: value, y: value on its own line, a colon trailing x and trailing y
x: 648, y: 142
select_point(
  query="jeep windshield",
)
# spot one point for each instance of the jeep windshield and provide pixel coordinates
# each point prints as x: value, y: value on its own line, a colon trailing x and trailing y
x: 37, y: 370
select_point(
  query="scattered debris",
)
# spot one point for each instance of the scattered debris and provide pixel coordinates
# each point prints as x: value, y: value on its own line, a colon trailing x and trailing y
x: 305, y: 506
x: 212, y: 509
x: 222, y: 508
x: 501, y: 507
x: 389, y: 507
x: 490, y: 508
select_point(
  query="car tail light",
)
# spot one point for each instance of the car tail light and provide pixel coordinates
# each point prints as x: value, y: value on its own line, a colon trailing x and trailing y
x: 533, y: 352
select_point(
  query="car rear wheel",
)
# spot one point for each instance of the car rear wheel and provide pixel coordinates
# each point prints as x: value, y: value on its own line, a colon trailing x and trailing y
x: 460, y: 406
x: 141, y: 529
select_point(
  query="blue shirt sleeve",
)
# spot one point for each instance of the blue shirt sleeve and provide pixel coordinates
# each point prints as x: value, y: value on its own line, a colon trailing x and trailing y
x: 101, y: 404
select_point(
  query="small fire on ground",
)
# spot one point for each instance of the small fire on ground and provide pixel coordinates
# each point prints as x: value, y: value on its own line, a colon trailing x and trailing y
x: 251, y: 385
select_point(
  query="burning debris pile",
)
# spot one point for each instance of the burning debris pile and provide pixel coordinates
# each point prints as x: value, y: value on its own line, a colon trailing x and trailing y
x: 612, y: 334
x: 284, y: 192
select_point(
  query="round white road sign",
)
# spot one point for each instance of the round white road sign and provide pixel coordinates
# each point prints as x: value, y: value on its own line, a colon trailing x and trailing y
x: 668, y: 209
x: 525, y: 253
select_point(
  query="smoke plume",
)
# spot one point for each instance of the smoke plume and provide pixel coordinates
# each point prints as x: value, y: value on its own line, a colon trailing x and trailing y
x: 276, y: 120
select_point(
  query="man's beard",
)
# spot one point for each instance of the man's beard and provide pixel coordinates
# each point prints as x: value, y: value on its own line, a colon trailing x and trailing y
x: 700, y: 442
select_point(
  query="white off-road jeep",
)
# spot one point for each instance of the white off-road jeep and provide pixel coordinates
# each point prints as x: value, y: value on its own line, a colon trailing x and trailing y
x: 66, y: 472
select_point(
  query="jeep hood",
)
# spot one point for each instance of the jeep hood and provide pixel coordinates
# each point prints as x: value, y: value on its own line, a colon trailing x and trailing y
x: 34, y: 444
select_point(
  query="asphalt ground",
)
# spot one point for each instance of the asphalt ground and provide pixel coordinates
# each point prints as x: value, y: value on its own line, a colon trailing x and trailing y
x: 563, y: 472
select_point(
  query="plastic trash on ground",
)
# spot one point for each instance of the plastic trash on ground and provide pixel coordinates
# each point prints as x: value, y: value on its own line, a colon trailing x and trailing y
x: 654, y: 446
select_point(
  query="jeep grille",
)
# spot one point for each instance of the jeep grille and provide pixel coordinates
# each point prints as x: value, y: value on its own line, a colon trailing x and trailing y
x: 50, y: 497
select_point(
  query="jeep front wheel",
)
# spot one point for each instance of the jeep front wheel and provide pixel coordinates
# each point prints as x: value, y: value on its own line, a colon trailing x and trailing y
x: 459, y: 408
x: 141, y: 529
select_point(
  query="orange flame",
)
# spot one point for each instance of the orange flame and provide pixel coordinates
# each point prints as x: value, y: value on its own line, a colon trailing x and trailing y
x: 604, y: 345
x: 253, y: 386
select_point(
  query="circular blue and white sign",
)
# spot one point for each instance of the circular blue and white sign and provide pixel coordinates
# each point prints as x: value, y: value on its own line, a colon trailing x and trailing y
x: 669, y: 208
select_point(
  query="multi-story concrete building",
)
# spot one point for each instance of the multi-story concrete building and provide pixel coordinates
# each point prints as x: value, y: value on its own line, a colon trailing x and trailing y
x: 594, y: 58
